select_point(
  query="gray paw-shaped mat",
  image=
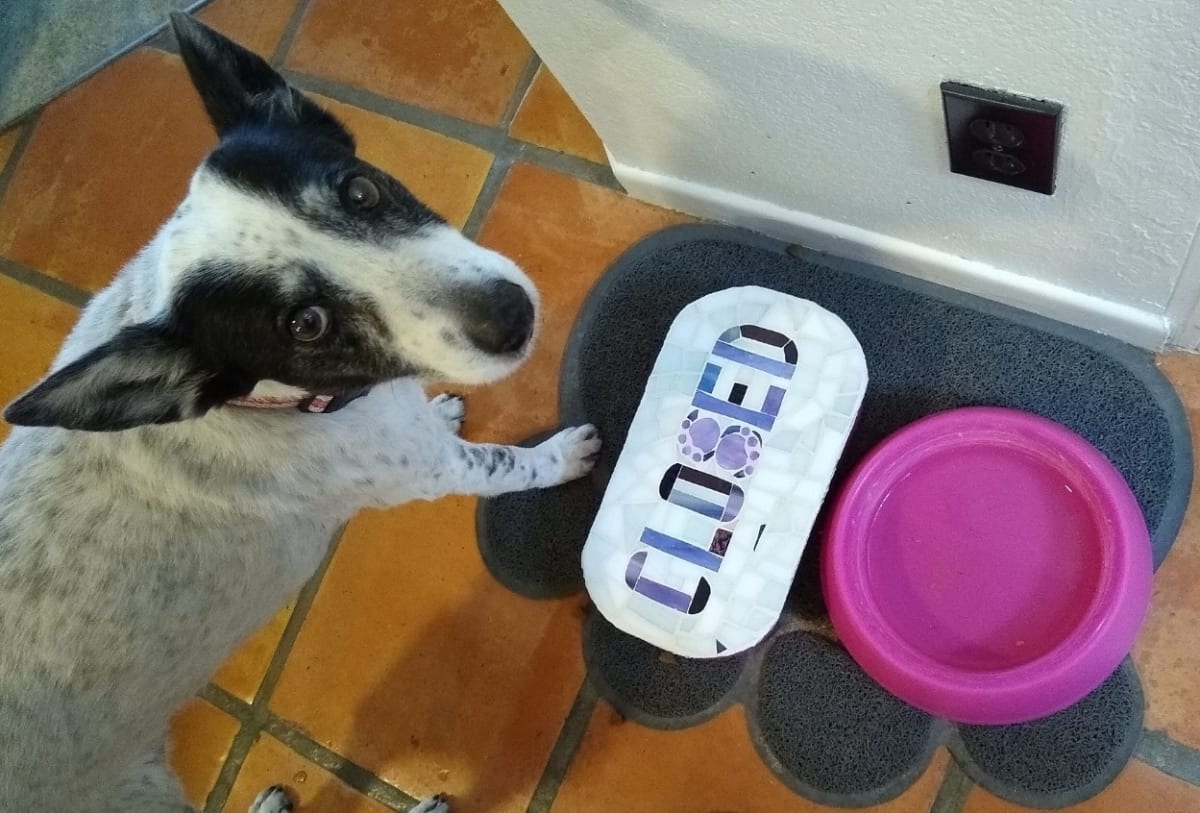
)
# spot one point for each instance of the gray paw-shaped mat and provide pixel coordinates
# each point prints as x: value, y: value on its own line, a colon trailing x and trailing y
x: 826, y: 729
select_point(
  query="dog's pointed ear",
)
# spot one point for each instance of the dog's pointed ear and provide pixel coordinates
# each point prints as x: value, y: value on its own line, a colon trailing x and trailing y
x: 140, y: 377
x: 238, y: 87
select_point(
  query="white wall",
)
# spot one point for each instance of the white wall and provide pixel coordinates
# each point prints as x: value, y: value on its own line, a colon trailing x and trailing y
x: 821, y: 122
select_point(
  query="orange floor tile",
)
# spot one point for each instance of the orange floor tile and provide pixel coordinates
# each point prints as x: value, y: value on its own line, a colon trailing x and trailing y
x: 200, y: 740
x: 547, y: 117
x: 713, y: 766
x: 1139, y: 789
x: 8, y: 140
x: 412, y: 665
x: 33, y: 326
x: 108, y: 162
x: 1166, y: 654
x: 462, y: 57
x: 415, y: 664
x: 243, y: 673
x: 257, y: 24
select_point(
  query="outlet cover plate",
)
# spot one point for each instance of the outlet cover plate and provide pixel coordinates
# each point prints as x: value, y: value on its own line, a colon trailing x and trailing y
x: 1002, y: 137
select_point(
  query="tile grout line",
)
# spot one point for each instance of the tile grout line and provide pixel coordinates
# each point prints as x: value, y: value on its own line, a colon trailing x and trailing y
x: 304, y: 602
x: 952, y: 794
x: 502, y: 161
x: 1169, y: 756
x: 566, y: 164
x: 28, y: 125
x: 474, y: 133
x: 224, y: 700
x: 44, y: 283
x: 492, y: 139
x: 347, y: 771
x: 565, y: 747
x: 520, y: 91
x: 247, y: 734
x: 243, y: 741
x: 290, y: 32
x: 255, y: 716
x: 502, y: 153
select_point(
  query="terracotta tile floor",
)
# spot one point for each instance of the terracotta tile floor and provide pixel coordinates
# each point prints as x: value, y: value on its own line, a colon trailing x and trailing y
x: 404, y: 669
x: 549, y: 118
x: 623, y: 766
x: 8, y: 141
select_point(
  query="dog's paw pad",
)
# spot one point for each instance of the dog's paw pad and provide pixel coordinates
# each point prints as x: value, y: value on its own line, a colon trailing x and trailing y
x: 434, y: 804
x: 575, y: 450
x: 450, y: 408
x: 273, y: 800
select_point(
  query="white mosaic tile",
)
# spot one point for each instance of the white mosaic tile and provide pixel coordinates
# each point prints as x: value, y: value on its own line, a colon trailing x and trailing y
x: 724, y: 469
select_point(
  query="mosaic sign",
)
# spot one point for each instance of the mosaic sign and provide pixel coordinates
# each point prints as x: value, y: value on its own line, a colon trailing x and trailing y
x: 725, y: 467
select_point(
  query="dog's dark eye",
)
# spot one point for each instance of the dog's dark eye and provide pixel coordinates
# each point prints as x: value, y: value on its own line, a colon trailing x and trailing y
x: 362, y: 193
x: 309, y: 324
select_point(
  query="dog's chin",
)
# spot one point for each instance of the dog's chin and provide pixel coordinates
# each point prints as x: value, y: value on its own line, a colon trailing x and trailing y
x: 484, y: 369
x: 477, y: 372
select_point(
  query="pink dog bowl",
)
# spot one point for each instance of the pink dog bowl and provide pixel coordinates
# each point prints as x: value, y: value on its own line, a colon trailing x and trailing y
x: 987, y: 566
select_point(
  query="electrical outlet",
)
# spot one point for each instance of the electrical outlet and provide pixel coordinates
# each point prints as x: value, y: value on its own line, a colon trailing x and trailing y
x: 1002, y: 137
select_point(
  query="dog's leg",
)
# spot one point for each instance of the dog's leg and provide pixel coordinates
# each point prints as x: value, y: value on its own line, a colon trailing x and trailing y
x: 487, y: 470
x: 272, y: 800
x: 451, y: 409
x: 434, y: 804
x: 149, y: 786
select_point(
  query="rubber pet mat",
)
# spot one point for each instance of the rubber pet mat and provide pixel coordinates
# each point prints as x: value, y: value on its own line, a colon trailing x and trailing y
x: 46, y: 46
x: 826, y: 729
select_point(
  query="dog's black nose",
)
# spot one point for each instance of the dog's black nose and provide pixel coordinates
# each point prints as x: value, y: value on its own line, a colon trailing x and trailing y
x: 500, y: 319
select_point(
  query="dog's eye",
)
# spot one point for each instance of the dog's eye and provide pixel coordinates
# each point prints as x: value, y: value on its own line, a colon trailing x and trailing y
x: 362, y: 193
x: 309, y: 323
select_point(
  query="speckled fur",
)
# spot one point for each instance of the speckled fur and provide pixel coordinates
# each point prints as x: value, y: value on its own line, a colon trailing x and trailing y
x: 132, y: 563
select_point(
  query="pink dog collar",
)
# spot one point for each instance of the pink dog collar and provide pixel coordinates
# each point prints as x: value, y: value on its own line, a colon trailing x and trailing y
x: 322, y: 404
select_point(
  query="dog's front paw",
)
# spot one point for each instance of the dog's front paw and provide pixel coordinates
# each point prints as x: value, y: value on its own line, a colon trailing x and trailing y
x: 434, y: 804
x: 450, y: 408
x: 574, y: 451
x: 273, y: 800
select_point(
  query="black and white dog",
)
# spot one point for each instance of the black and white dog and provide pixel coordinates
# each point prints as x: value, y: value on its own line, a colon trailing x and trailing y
x: 247, y: 383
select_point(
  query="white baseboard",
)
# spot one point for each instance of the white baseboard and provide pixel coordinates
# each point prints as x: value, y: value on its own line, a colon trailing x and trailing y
x: 1143, y: 328
x: 1184, y: 309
